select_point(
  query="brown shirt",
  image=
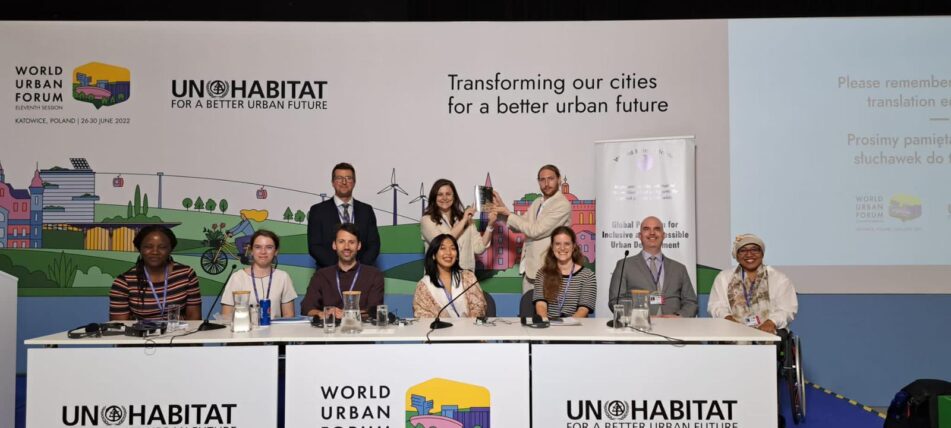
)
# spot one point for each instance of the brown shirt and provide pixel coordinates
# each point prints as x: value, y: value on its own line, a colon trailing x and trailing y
x: 323, y: 290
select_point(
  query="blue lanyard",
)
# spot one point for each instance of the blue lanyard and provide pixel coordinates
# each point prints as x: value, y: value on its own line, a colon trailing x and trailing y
x: 748, y: 294
x: 352, y: 283
x: 164, y: 303
x: 270, y: 278
x: 564, y: 294
x: 660, y: 270
x: 539, y: 210
x: 449, y: 297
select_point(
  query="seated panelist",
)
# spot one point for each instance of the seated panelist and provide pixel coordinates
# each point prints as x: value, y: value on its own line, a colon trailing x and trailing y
x: 445, y: 280
x: 564, y: 287
x: 753, y: 294
x: 348, y: 274
x: 263, y: 279
x: 155, y: 283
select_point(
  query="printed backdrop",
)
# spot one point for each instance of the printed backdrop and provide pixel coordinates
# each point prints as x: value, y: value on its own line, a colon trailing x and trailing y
x: 203, y: 126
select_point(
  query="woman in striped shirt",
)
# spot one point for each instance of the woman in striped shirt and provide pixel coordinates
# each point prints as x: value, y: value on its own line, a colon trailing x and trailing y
x: 564, y: 287
x: 156, y: 283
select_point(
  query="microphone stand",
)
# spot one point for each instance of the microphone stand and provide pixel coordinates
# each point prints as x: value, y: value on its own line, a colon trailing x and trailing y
x: 206, y: 325
x: 620, y: 279
x: 439, y: 324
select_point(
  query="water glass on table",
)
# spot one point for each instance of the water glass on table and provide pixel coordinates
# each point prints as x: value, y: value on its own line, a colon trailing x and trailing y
x: 330, y: 320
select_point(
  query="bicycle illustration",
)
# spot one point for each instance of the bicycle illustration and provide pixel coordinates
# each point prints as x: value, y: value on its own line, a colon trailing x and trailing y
x: 215, y: 259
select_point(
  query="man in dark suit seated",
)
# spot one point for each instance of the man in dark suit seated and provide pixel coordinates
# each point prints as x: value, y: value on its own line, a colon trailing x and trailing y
x: 325, y: 217
x: 672, y: 293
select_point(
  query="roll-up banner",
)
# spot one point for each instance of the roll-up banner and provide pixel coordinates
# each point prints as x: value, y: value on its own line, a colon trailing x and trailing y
x: 637, y: 178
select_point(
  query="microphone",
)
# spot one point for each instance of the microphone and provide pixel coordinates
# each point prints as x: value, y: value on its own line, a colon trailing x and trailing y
x: 620, y: 279
x: 206, y: 325
x: 437, y: 324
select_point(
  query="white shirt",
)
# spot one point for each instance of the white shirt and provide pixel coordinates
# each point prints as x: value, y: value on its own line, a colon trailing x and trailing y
x: 282, y: 289
x: 783, y: 303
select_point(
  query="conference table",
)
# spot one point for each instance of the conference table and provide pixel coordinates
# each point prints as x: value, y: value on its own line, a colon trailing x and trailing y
x: 685, y: 373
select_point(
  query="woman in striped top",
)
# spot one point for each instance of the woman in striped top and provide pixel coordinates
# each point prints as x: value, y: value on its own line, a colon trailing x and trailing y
x: 564, y: 287
x: 156, y: 283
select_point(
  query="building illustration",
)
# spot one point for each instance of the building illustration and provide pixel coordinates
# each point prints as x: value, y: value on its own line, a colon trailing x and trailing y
x: 506, y: 245
x: 21, y: 213
x: 442, y: 403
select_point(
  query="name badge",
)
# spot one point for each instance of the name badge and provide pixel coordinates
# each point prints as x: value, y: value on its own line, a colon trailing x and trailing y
x: 753, y: 321
x: 657, y: 299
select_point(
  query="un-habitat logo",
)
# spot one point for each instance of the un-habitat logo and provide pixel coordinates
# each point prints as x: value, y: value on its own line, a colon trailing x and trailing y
x: 443, y: 403
x: 101, y: 84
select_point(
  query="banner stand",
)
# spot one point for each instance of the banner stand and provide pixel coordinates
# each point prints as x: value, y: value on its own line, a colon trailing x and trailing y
x: 637, y: 178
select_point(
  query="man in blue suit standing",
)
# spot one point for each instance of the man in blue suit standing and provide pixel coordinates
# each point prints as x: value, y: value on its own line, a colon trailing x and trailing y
x: 672, y: 292
x: 323, y: 219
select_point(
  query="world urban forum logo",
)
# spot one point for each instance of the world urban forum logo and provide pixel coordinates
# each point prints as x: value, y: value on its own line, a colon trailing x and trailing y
x: 904, y: 207
x: 442, y: 403
x: 101, y: 84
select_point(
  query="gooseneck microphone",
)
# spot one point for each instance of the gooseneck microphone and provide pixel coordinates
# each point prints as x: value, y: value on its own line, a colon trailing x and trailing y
x: 437, y: 324
x: 206, y: 325
x: 620, y: 280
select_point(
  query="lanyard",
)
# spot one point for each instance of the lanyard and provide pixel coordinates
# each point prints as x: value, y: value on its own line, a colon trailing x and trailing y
x: 660, y: 270
x: 748, y: 294
x: 164, y: 302
x: 270, y: 277
x: 352, y: 283
x: 564, y: 294
x: 539, y: 210
x: 449, y: 297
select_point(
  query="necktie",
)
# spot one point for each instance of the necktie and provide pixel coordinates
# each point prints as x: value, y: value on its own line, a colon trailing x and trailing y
x: 346, y: 213
x: 655, y: 278
x: 653, y: 266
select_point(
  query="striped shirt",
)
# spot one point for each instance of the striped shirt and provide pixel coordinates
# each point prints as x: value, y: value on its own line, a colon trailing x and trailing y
x: 583, y: 291
x: 130, y: 297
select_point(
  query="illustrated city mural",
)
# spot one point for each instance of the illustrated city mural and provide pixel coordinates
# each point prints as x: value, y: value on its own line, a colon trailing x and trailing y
x: 59, y: 239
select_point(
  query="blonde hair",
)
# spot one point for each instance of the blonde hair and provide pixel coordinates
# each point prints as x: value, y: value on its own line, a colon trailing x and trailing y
x: 256, y: 215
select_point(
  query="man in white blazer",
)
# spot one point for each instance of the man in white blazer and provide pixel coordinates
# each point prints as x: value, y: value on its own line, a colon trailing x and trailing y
x: 543, y: 216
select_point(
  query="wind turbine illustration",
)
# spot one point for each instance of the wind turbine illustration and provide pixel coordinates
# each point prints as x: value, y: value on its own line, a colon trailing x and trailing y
x: 421, y: 198
x: 396, y: 188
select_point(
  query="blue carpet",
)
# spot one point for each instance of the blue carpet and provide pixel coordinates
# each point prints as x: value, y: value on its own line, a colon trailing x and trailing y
x: 825, y: 410
x: 21, y: 402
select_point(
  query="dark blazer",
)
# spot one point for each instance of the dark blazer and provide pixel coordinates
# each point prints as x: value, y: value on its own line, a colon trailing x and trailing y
x: 322, y: 222
x: 679, y: 296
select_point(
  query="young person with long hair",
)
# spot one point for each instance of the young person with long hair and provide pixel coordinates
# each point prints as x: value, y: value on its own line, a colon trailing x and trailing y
x: 564, y: 287
x: 446, y: 215
x: 445, y: 280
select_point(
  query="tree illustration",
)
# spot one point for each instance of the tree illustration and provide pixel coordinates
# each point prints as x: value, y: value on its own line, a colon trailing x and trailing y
x: 288, y: 214
x: 129, y: 212
x: 145, y: 204
x: 199, y: 204
x: 187, y: 203
x: 223, y: 206
x: 210, y: 205
x: 137, y: 202
x: 299, y: 216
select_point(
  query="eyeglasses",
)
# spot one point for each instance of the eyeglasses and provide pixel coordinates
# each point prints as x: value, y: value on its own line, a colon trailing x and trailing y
x: 344, y: 179
x: 755, y: 251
